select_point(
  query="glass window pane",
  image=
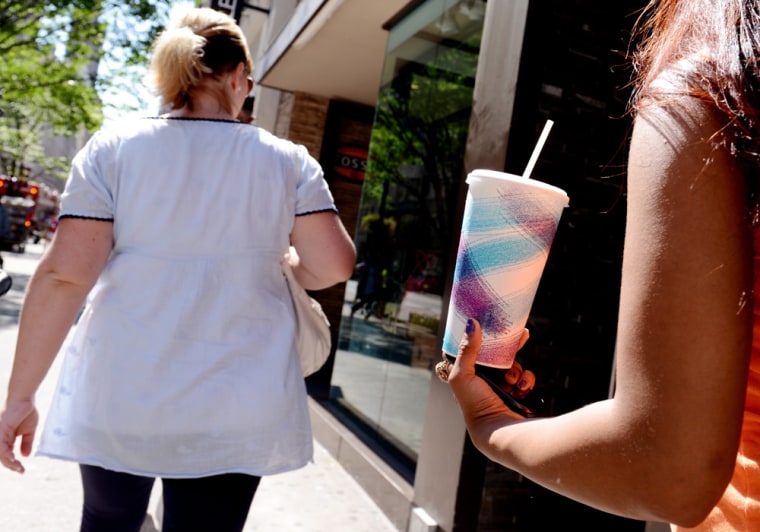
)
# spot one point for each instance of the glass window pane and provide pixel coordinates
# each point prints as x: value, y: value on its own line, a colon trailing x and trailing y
x: 390, y: 327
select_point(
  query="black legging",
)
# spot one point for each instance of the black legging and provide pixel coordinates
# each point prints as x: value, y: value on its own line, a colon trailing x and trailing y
x: 117, y: 502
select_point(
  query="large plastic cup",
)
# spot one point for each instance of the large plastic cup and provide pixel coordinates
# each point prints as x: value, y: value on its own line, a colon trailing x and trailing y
x: 508, y: 228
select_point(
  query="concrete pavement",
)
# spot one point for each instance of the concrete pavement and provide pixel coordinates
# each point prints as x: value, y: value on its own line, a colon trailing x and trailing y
x: 322, y: 497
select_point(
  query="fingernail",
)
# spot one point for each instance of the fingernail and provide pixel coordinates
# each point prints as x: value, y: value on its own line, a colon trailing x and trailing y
x: 470, y: 327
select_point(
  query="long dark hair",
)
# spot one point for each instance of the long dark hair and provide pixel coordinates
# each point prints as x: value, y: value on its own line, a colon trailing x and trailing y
x: 714, y: 47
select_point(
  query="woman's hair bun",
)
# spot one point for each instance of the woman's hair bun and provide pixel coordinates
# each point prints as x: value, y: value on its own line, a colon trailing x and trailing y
x: 202, y: 44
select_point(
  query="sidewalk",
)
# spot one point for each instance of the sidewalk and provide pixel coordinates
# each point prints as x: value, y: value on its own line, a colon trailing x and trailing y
x: 322, y: 497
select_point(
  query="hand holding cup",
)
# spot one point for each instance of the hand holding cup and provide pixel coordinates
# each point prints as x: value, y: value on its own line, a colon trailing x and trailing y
x: 478, y: 398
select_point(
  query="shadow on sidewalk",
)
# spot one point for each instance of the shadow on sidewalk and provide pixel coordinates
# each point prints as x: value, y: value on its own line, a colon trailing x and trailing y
x: 10, y: 303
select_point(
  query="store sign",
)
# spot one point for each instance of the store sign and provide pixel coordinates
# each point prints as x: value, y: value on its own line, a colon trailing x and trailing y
x: 351, y: 162
x: 235, y: 7
x: 232, y: 7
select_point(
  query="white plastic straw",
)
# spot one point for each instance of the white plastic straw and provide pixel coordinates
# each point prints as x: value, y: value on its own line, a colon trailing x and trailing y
x: 537, y: 149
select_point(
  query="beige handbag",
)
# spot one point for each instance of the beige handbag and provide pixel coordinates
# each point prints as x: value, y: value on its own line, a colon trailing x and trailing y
x: 313, y: 338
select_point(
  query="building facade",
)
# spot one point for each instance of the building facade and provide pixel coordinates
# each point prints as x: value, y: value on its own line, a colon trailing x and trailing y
x: 399, y: 100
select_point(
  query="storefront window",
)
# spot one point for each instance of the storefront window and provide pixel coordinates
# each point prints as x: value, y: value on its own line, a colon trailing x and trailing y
x: 392, y: 317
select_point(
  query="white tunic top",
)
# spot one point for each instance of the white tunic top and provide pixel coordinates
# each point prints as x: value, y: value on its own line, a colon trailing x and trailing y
x: 183, y: 362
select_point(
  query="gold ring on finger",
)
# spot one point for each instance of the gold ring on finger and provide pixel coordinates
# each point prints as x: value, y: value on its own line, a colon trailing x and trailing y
x: 442, y: 370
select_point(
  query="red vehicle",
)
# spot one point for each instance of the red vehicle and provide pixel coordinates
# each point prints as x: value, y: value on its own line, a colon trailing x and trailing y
x: 32, y: 211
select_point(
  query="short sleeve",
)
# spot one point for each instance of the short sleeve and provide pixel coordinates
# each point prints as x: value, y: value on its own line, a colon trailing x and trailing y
x: 312, y: 192
x: 89, y: 192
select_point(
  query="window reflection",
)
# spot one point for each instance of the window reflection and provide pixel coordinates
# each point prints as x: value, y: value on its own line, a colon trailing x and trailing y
x: 393, y: 305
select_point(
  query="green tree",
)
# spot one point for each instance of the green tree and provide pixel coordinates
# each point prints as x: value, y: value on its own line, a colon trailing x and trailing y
x: 415, y: 164
x: 49, y: 77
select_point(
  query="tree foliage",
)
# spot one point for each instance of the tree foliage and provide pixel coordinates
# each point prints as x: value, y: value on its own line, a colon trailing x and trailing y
x: 415, y: 164
x: 49, y: 76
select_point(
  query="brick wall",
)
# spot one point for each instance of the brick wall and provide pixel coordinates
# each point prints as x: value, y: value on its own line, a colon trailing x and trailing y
x: 308, y: 116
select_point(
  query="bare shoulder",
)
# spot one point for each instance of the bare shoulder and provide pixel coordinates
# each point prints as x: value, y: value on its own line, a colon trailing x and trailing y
x: 678, y: 124
x: 678, y: 149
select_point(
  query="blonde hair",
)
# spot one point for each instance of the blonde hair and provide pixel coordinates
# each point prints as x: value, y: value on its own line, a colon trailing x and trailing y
x: 203, y: 44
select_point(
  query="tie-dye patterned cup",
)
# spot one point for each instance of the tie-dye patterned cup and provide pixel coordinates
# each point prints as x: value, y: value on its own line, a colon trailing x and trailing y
x: 508, y: 228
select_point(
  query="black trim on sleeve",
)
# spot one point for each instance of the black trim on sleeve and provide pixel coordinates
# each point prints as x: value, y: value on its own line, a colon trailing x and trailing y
x: 335, y: 210
x: 84, y: 217
x: 195, y: 119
